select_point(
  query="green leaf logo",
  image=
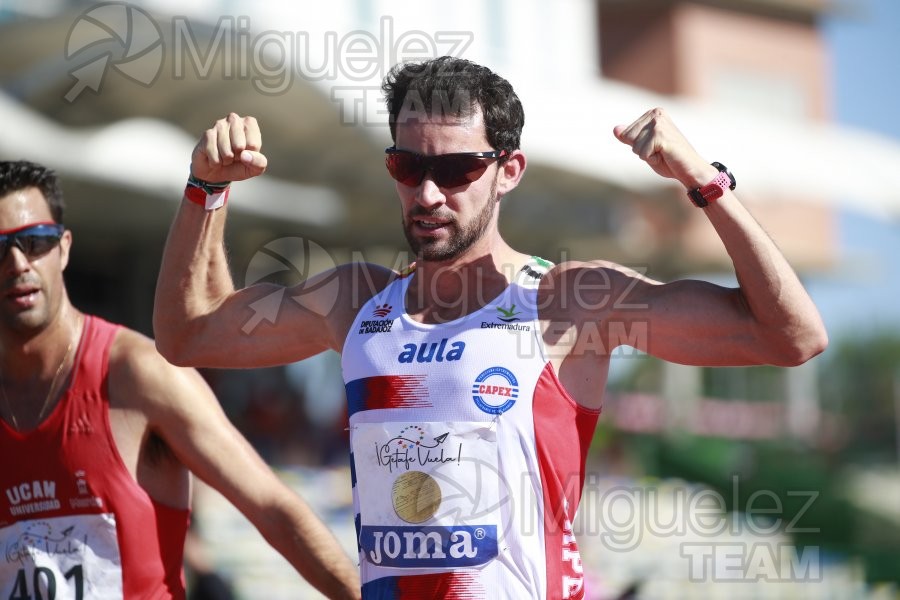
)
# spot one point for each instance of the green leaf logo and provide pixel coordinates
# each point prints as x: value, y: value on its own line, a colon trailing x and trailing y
x: 509, y: 314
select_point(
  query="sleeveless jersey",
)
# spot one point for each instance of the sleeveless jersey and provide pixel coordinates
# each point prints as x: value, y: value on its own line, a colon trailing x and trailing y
x: 467, y: 455
x: 73, y: 522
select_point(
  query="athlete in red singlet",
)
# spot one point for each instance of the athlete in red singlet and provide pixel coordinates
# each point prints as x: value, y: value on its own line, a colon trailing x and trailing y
x: 99, y: 434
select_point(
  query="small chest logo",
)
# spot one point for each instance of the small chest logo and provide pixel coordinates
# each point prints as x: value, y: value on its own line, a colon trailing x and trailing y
x: 506, y: 319
x: 378, y: 324
x: 507, y: 315
x: 382, y: 310
x: 30, y: 491
x: 81, y: 425
x: 495, y: 390
x: 32, y: 497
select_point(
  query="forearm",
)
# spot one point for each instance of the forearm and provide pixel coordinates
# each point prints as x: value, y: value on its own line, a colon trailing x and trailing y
x: 313, y: 551
x: 193, y: 277
x: 770, y: 318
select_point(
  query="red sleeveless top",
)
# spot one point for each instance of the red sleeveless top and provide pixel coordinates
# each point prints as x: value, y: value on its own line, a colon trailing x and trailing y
x: 73, y: 521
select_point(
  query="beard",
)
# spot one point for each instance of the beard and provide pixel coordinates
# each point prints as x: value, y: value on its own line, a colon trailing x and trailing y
x: 31, y: 320
x: 463, y: 236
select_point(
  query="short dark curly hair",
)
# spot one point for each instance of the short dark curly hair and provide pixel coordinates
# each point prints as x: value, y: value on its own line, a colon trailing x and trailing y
x: 17, y: 175
x: 455, y: 87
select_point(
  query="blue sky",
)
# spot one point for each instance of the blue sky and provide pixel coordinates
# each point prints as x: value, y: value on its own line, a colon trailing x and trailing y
x: 861, y: 297
x: 865, y: 48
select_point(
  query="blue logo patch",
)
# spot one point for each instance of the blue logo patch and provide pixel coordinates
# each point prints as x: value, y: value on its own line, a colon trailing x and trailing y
x: 431, y: 547
x: 495, y: 390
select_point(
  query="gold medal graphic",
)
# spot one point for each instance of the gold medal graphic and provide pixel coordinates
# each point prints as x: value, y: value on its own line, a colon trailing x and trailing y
x: 416, y: 496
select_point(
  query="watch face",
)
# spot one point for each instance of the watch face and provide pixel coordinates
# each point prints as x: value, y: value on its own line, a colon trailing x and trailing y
x: 725, y: 170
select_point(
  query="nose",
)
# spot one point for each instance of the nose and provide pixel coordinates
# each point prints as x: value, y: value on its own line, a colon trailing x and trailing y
x: 429, y: 195
x: 14, y: 259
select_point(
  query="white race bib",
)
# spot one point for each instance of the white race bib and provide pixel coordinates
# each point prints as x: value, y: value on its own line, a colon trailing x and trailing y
x: 62, y: 558
x: 428, y: 493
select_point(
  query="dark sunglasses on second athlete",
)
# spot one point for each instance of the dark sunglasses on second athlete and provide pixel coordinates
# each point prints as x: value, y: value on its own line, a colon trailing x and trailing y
x: 447, y: 170
x: 33, y: 240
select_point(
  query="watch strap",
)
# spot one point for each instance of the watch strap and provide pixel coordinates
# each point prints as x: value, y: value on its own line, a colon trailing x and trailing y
x: 715, y: 189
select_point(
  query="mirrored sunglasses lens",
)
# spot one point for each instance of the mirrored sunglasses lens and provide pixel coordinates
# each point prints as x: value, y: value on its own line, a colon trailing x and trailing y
x: 454, y: 171
x: 405, y: 168
x: 35, y: 245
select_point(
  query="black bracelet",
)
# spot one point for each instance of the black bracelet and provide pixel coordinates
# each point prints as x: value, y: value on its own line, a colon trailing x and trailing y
x: 209, y: 187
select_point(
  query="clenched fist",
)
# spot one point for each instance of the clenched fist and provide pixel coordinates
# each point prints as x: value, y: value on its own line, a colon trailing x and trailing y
x: 656, y: 139
x: 229, y: 151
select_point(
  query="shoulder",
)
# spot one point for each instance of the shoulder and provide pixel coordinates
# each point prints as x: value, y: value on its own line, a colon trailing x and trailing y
x: 591, y: 275
x: 134, y: 353
x: 606, y: 268
x: 372, y: 277
x: 572, y: 287
x: 346, y: 285
x: 360, y: 282
x: 376, y: 277
x: 140, y: 377
x: 333, y: 298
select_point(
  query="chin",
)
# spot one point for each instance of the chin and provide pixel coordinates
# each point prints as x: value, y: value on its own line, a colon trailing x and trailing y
x: 432, y: 250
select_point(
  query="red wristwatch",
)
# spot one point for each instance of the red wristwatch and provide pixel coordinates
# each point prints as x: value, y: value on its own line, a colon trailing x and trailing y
x: 713, y: 190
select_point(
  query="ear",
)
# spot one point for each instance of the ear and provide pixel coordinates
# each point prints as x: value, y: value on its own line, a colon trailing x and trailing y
x: 510, y: 172
x: 65, y: 243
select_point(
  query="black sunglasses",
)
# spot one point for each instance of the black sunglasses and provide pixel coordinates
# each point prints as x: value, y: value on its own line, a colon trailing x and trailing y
x: 33, y: 240
x: 447, y: 170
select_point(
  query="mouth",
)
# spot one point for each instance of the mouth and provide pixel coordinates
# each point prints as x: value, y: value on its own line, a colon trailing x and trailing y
x: 23, y: 295
x: 429, y: 223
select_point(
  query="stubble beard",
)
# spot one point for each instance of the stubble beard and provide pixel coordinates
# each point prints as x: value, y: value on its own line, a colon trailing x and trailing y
x: 30, y: 321
x: 463, y: 238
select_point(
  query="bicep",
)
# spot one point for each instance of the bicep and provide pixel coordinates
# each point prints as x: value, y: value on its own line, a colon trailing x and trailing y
x: 688, y: 322
x: 266, y: 324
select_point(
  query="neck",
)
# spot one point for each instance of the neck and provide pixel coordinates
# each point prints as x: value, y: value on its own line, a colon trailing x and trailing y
x: 447, y: 290
x: 32, y: 387
x: 36, y: 355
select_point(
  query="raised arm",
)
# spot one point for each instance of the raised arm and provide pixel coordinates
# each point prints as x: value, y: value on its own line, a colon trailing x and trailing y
x: 181, y: 409
x: 768, y: 319
x: 199, y: 319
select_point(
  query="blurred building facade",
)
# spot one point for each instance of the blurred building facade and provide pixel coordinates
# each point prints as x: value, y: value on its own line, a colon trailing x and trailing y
x: 769, y: 58
x: 114, y: 95
x: 765, y: 56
